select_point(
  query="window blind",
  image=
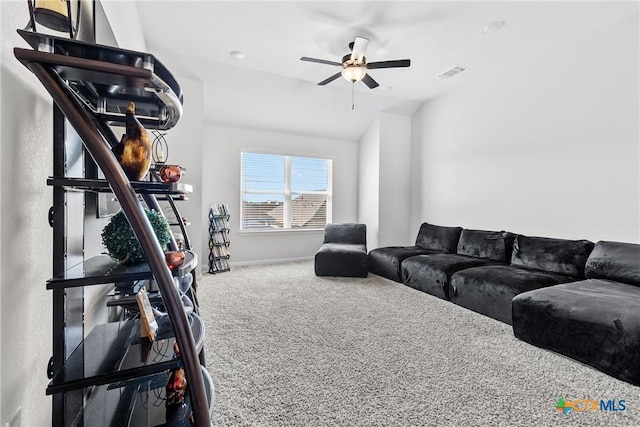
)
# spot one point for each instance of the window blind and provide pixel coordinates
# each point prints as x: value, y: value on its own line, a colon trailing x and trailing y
x: 285, y: 192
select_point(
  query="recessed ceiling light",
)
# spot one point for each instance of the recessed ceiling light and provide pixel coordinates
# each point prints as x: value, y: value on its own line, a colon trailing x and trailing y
x: 237, y: 54
x: 493, y: 26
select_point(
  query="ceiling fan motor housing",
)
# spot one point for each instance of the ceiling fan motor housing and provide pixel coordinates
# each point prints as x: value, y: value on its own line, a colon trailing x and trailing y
x: 347, y: 61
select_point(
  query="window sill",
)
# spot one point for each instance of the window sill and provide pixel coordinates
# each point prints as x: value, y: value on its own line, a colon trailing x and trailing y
x: 280, y: 231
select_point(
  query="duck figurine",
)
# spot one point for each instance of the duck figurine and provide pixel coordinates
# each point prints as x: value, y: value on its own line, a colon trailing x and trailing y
x: 134, y: 149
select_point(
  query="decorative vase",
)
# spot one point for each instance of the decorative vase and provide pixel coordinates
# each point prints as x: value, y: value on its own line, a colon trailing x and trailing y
x: 174, y: 259
x: 170, y: 173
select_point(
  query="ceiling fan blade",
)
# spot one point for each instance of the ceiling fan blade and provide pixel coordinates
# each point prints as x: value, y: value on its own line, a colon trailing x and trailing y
x: 368, y: 80
x: 320, y: 61
x: 359, y: 47
x: 389, y: 64
x: 330, y: 79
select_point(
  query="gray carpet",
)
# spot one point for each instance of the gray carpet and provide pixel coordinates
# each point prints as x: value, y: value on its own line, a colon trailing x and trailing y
x: 286, y: 348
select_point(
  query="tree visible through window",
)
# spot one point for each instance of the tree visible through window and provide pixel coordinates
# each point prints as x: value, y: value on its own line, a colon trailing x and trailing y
x: 285, y: 192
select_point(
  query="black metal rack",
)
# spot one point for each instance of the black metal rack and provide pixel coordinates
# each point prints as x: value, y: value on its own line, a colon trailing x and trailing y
x: 111, y: 376
x: 219, y: 241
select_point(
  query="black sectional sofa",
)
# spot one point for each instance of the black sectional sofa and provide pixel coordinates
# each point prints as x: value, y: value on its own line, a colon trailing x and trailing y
x: 558, y: 294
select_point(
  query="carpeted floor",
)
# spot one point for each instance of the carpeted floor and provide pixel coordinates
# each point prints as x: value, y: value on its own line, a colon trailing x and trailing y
x: 286, y: 348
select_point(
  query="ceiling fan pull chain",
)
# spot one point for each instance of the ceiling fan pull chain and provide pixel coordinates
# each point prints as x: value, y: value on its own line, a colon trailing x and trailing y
x: 353, y: 95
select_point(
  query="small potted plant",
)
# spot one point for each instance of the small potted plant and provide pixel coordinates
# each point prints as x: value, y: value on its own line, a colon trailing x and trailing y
x: 121, y: 242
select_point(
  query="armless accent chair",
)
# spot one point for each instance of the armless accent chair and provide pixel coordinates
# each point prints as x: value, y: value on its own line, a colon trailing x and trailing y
x: 344, y: 251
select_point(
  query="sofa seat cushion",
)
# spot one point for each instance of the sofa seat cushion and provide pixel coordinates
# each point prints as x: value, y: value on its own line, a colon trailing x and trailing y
x: 594, y: 321
x: 431, y: 273
x: 489, y: 290
x: 342, y: 259
x: 386, y: 262
x: 560, y: 256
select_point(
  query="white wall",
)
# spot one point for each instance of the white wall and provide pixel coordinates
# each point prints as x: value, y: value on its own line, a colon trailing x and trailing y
x: 384, y: 200
x: 26, y: 153
x: 395, y: 184
x: 550, y: 147
x: 221, y: 176
x: 125, y: 24
x: 369, y: 183
x: 2, y: 417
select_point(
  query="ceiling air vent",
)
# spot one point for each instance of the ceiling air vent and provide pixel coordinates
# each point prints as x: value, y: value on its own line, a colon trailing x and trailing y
x: 451, y: 72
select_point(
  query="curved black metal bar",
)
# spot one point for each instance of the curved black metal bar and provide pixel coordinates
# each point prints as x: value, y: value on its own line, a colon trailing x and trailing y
x: 102, y: 155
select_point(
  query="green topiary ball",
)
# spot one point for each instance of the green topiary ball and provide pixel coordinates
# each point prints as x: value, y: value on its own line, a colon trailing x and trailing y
x: 123, y: 245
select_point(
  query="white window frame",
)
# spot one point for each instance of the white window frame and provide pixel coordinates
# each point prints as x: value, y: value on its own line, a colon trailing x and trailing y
x: 288, y: 194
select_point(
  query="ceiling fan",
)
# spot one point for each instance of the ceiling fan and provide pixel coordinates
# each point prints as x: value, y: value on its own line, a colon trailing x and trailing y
x: 354, y: 65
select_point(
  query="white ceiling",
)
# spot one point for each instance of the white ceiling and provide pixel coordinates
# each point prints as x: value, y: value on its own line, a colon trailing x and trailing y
x: 271, y: 89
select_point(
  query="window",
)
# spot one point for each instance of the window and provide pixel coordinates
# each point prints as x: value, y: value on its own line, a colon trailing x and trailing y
x: 285, y: 192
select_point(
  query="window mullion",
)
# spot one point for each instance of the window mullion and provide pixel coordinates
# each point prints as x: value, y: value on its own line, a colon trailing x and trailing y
x: 287, y: 192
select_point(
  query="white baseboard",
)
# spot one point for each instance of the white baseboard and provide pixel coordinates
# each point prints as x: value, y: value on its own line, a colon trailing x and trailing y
x: 266, y: 261
x: 271, y: 261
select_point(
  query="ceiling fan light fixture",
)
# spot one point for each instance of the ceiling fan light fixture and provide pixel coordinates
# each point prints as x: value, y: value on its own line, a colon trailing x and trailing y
x: 354, y: 73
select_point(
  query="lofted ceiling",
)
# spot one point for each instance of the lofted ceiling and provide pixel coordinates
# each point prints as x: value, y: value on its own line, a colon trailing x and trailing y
x: 271, y: 89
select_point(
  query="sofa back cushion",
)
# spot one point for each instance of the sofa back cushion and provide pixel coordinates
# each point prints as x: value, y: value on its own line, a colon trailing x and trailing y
x: 493, y: 245
x: 615, y: 261
x: 346, y: 233
x: 438, y: 238
x: 560, y: 256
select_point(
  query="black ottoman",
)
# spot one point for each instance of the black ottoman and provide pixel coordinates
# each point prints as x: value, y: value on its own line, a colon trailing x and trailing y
x: 344, y: 251
x: 594, y: 321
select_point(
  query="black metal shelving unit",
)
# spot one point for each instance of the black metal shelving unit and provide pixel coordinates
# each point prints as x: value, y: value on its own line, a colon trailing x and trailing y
x: 111, y: 376
x: 219, y: 241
